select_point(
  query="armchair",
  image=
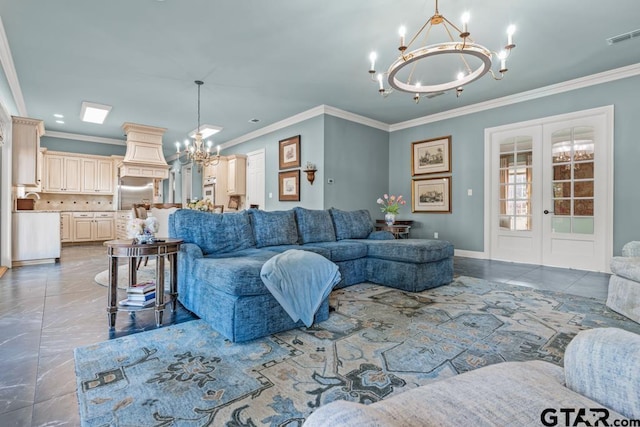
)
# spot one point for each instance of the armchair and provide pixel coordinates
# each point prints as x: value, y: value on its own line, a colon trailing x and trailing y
x: 624, y: 285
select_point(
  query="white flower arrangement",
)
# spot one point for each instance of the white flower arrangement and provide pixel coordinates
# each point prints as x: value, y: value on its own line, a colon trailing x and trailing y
x: 138, y: 226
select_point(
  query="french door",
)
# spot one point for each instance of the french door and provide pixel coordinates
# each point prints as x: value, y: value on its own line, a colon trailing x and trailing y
x: 551, y: 191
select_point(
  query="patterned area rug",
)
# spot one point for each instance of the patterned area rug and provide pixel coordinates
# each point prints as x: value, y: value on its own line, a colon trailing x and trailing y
x: 376, y: 343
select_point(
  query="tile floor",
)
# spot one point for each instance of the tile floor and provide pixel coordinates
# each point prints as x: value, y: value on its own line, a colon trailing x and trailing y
x: 48, y: 310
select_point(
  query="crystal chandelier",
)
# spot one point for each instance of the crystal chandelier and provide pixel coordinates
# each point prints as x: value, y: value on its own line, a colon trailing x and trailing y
x: 415, y: 59
x: 198, y: 152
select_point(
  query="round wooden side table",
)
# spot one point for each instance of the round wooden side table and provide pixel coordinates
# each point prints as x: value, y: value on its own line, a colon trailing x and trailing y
x: 131, y: 250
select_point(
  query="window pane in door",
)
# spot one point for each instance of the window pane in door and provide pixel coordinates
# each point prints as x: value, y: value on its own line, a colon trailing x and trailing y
x: 561, y: 189
x: 583, y: 225
x: 561, y: 172
x: 583, y: 189
x: 516, y: 175
x: 561, y: 225
x: 562, y: 207
x: 583, y: 170
x: 583, y: 207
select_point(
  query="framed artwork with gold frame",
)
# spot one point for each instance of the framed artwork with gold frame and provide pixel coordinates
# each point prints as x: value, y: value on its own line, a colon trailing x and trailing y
x: 290, y: 152
x: 431, y: 195
x: 431, y: 156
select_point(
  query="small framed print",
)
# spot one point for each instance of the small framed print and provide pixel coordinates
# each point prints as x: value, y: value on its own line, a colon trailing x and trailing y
x: 290, y: 152
x: 289, y: 186
x: 431, y: 156
x: 431, y: 195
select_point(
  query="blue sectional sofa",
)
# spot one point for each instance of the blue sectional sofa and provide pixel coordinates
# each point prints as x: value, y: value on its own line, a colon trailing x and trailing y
x: 220, y: 261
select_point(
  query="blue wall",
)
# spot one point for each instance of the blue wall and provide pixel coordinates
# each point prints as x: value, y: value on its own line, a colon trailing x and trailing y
x: 464, y: 227
x: 356, y: 158
x: 82, y: 147
x: 311, y: 150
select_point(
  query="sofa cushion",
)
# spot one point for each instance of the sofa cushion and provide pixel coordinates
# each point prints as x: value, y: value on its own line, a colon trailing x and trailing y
x: 409, y: 250
x: 627, y: 267
x: 316, y: 249
x: 271, y: 228
x: 340, y: 251
x: 235, y: 274
x: 314, y: 226
x: 504, y: 394
x: 351, y: 224
x: 214, y: 233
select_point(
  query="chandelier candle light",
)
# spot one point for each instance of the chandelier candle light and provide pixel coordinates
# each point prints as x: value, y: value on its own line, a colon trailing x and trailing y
x: 197, y: 152
x: 466, y: 49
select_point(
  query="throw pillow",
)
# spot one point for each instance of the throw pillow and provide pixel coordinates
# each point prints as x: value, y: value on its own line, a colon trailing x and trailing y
x: 351, y: 224
x: 314, y: 226
x: 272, y: 228
x: 213, y: 233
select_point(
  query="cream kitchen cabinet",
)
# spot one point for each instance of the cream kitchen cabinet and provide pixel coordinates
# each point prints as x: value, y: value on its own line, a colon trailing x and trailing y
x: 26, y: 149
x: 78, y: 174
x: 236, y: 175
x: 66, y: 230
x: 92, y: 226
x: 62, y: 173
x: 96, y: 176
x: 122, y: 219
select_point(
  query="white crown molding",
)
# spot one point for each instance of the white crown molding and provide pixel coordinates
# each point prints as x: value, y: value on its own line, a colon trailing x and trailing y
x: 89, y: 138
x: 6, y: 60
x: 356, y: 118
x: 306, y: 115
x: 569, y: 85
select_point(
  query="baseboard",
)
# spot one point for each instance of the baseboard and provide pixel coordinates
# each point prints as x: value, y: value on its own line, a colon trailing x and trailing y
x: 35, y: 262
x: 470, y: 254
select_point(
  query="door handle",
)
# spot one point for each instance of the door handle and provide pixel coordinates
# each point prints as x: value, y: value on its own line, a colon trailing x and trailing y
x: 547, y: 212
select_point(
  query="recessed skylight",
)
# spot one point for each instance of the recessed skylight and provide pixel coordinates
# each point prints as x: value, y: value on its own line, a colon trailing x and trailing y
x: 58, y: 116
x: 60, y: 121
x: 206, y: 131
x: 94, y: 113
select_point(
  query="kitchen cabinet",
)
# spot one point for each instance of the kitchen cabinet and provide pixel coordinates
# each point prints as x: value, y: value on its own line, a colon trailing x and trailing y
x: 61, y: 173
x: 236, y: 174
x: 96, y: 176
x: 78, y: 174
x: 122, y: 218
x: 26, y: 149
x: 66, y: 231
x: 92, y: 226
x: 36, y: 237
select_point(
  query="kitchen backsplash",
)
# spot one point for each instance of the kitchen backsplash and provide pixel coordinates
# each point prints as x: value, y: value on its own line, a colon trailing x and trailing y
x: 74, y: 202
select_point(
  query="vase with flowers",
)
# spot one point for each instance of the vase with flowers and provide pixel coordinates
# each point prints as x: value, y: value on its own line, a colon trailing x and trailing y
x: 143, y: 230
x: 203, y: 205
x: 390, y: 206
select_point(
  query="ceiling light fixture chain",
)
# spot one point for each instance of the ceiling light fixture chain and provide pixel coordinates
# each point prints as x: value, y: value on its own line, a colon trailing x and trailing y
x: 465, y: 50
x: 199, y: 152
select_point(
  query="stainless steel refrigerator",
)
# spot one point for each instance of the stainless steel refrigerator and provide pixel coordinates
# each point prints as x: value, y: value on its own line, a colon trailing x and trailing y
x: 134, y: 190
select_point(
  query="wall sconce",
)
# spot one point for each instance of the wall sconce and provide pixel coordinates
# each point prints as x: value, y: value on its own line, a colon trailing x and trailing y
x: 311, y: 172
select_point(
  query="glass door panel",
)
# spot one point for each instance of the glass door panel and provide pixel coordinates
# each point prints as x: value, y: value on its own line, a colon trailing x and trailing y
x: 572, y: 158
x: 516, y: 176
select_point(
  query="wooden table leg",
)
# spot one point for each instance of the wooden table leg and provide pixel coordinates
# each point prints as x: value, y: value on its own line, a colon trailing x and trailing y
x: 159, y: 289
x: 112, y: 295
x: 173, y: 263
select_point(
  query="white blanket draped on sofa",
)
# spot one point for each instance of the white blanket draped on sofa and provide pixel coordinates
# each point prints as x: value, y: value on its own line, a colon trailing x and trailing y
x: 300, y: 281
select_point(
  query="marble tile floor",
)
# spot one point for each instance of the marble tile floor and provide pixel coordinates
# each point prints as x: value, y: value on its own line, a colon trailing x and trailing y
x: 48, y: 310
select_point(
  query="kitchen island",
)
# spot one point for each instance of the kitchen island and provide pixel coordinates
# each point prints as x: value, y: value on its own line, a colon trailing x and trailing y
x: 36, y: 237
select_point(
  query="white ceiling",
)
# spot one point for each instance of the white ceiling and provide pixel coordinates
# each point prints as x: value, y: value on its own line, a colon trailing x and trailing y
x: 273, y: 59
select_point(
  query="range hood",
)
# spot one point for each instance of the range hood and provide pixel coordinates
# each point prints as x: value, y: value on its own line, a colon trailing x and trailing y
x: 144, y: 157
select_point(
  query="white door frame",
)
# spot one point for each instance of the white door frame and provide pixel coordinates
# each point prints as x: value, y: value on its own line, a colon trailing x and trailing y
x: 6, y: 186
x: 608, y: 112
x: 250, y: 165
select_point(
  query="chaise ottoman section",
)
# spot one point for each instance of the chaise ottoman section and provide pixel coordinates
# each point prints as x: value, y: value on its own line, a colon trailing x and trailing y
x: 410, y: 265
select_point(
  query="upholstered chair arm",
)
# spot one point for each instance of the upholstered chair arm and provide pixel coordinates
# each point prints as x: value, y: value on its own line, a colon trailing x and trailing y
x: 191, y: 250
x: 631, y: 249
x: 602, y: 364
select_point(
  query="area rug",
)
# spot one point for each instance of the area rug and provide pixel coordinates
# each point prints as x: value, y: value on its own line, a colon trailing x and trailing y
x: 376, y: 343
x: 144, y: 273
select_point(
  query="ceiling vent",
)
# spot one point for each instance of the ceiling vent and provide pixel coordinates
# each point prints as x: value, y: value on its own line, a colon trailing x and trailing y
x: 622, y: 37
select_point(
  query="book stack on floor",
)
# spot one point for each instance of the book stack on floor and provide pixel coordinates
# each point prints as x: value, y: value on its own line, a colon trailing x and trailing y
x: 140, y: 295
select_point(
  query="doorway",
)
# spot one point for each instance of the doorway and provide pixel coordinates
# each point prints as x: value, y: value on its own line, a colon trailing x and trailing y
x: 551, y: 191
x: 255, y: 179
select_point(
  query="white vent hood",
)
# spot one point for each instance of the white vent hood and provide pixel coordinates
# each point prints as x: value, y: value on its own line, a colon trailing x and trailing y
x: 144, y: 157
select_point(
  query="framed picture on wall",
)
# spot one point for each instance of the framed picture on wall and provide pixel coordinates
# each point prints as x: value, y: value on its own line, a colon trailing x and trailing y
x: 431, y: 195
x: 290, y: 152
x: 289, y: 186
x: 431, y: 156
